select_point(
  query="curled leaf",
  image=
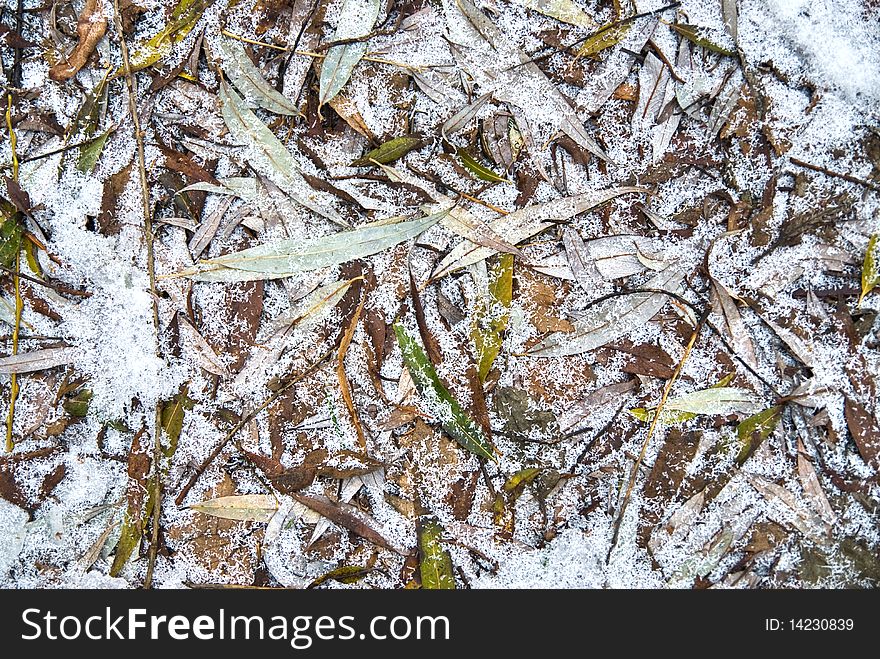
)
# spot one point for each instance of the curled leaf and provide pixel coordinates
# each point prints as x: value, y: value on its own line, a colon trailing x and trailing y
x: 90, y: 29
x: 356, y: 20
x: 389, y: 151
x: 250, y: 81
x: 243, y: 507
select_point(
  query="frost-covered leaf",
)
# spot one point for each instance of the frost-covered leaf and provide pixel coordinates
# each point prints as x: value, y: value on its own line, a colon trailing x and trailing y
x: 623, y: 255
x: 11, y: 233
x: 865, y: 431
x: 356, y: 20
x: 242, y: 507
x: 737, y: 332
x: 37, y: 360
x: 612, y: 319
x: 606, y: 37
x: 711, y: 401
x: 730, y: 17
x: 812, y: 487
x: 267, y: 154
x: 581, y: 261
x: 722, y: 109
x: 287, y: 257
x: 249, y: 80
x: 461, y: 118
x: 172, y: 415
x: 692, y: 33
x: 527, y: 222
x: 870, y: 267
x: 454, y: 420
x: 562, y: 10
x: 653, y: 80
x: 492, y: 315
x: 183, y: 19
x: 347, y: 516
x: 435, y: 565
x: 243, y: 188
x: 389, y: 151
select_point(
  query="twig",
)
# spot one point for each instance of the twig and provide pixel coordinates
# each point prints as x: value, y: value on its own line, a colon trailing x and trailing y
x: 151, y: 272
x: 244, y: 421
x: 19, y: 305
x: 840, y: 175
x: 48, y: 284
x: 657, y: 412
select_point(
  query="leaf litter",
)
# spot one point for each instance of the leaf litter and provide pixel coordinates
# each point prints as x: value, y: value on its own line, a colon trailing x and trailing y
x: 418, y: 277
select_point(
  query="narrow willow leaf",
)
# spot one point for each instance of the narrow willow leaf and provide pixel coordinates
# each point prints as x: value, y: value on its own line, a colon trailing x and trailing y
x: 356, y: 20
x: 243, y: 188
x: 752, y: 431
x: 435, y: 564
x: 37, y: 360
x: 606, y: 37
x: 585, y: 272
x: 527, y: 222
x: 268, y: 155
x: 461, y: 118
x: 562, y: 10
x: 692, y: 34
x: 183, y: 18
x: 722, y: 109
x: 11, y: 233
x: 712, y: 401
x: 129, y: 539
x: 389, y: 151
x: 514, y: 485
x: 492, y: 315
x: 871, y: 267
x: 91, y: 152
x: 250, y: 81
x: 479, y: 170
x: 439, y: 401
x: 730, y: 16
x: 242, y: 507
x: 287, y: 257
x: 172, y: 416
x: 345, y: 574
x: 612, y: 319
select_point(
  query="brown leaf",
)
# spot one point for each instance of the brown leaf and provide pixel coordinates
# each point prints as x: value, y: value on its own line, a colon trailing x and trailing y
x: 665, y: 478
x: 19, y: 198
x: 347, y: 464
x: 90, y: 29
x: 432, y: 347
x: 10, y: 490
x: 114, y: 186
x: 864, y: 430
x: 51, y: 480
x: 374, y: 323
x: 461, y: 495
x: 184, y: 164
x: 129, y: 11
x: 647, y: 359
x: 346, y: 516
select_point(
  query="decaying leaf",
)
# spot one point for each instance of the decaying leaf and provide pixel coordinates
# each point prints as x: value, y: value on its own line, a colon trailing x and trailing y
x: 752, y: 431
x: 439, y: 401
x: 490, y: 319
x: 28, y: 362
x: 865, y: 431
x: 562, y: 10
x: 389, y: 151
x: 348, y: 517
x: 242, y: 507
x: 870, y: 267
x: 714, y: 400
x: 90, y: 29
x: 435, y: 565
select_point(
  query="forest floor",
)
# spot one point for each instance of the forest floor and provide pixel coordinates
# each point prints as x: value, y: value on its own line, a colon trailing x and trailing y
x: 440, y: 293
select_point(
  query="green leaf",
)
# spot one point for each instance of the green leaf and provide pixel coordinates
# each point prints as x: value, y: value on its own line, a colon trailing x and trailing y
x: 356, y: 20
x: 11, y: 233
x: 435, y: 565
x: 515, y: 484
x: 91, y: 152
x: 183, y: 19
x: 172, y: 418
x: 288, y: 257
x: 692, y: 33
x: 754, y: 430
x: 492, y: 315
x: 129, y: 539
x: 479, y: 170
x: 606, y: 37
x: 78, y: 405
x: 241, y: 507
x: 250, y: 81
x: 390, y: 151
x: 344, y: 574
x: 870, y: 267
x: 440, y: 402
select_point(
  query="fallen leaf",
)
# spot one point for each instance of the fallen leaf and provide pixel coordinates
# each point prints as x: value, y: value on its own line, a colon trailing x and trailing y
x: 356, y: 20
x: 864, y: 430
x: 90, y: 29
x: 435, y: 565
x: 241, y: 507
